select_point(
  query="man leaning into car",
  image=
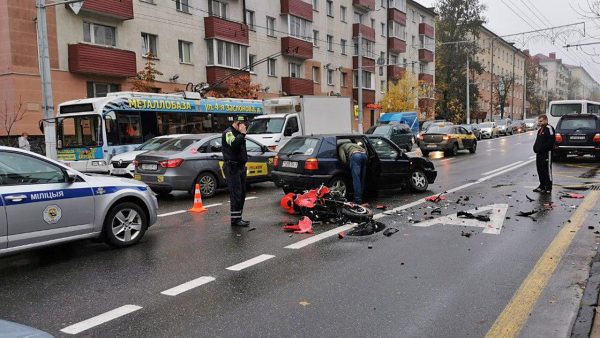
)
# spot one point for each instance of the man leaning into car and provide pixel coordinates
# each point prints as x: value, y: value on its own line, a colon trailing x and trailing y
x: 355, y: 156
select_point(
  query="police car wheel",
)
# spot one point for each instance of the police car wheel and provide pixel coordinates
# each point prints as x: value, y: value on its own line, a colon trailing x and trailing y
x: 208, y: 184
x: 125, y: 224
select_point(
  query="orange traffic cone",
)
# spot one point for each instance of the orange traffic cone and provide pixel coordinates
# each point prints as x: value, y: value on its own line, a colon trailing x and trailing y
x: 198, y: 207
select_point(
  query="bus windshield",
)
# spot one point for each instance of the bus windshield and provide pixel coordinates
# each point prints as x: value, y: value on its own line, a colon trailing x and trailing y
x: 79, y: 131
x: 565, y: 108
x: 266, y: 126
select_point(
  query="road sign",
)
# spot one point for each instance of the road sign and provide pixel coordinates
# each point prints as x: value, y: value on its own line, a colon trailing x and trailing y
x: 496, y: 213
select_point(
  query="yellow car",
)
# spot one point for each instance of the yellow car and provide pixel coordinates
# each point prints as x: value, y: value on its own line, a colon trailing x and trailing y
x: 447, y: 138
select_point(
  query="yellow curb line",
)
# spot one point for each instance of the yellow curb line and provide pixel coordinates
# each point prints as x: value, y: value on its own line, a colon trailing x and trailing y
x: 516, y: 313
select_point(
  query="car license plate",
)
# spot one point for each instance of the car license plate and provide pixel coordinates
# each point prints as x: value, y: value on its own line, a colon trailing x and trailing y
x: 289, y: 164
x: 119, y: 171
x: 431, y: 146
x: 579, y: 138
x: 149, y: 166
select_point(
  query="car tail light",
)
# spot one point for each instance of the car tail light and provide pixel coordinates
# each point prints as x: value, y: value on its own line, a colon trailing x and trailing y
x: 446, y: 138
x: 420, y: 137
x: 275, y: 161
x: 311, y: 164
x: 136, y: 163
x: 558, y: 138
x: 597, y: 138
x: 174, y: 163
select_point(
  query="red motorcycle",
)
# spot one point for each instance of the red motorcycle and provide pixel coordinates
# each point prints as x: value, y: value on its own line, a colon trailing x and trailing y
x: 325, y: 205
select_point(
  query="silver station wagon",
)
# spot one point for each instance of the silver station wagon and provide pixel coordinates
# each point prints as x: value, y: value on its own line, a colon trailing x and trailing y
x: 43, y: 202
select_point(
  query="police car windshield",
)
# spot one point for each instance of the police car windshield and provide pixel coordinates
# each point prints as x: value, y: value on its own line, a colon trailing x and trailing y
x: 153, y: 143
x: 266, y: 126
x: 177, y: 144
x: 79, y: 131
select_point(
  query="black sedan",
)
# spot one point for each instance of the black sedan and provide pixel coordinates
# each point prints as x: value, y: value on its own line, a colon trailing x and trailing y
x: 399, y: 133
x: 577, y: 134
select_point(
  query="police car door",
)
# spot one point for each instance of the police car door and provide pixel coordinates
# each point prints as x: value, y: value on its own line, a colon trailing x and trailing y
x: 41, y: 204
x: 3, y: 225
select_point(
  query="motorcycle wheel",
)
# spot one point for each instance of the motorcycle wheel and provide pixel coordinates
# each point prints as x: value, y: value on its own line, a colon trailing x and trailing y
x: 357, y: 213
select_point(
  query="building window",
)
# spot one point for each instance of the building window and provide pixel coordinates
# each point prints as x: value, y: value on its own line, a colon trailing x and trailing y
x: 315, y: 4
x: 396, y: 30
x: 294, y: 69
x: 217, y: 8
x: 382, y: 86
x: 330, y: 43
x: 329, y: 8
x: 149, y: 42
x: 316, y: 38
x: 182, y: 6
x: 300, y: 28
x: 99, y: 34
x: 227, y: 54
x: 343, y: 79
x: 426, y: 42
x: 315, y: 74
x: 270, y: 26
x: 271, y: 67
x: 383, y: 29
x: 382, y: 3
x: 412, y: 13
x: 367, y: 79
x: 343, y: 44
x: 393, y: 59
x: 422, y: 18
x: 398, y: 4
x: 185, y: 51
x: 368, y: 48
x: 343, y: 13
x: 250, y: 20
x: 358, y: 17
x: 97, y: 89
x: 330, y: 77
x: 372, y: 23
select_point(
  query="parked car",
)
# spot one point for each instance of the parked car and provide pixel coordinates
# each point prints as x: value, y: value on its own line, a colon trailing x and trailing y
x: 473, y: 128
x: 189, y: 159
x: 505, y: 127
x: 531, y: 124
x: 122, y: 164
x: 488, y: 129
x: 306, y: 162
x: 519, y: 126
x: 428, y: 123
x: 577, y: 134
x: 449, y: 139
x: 45, y: 202
x: 399, y: 133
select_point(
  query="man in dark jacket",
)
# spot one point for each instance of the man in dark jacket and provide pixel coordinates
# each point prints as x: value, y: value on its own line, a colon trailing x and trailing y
x: 355, y: 157
x: 544, y: 143
x: 233, y: 141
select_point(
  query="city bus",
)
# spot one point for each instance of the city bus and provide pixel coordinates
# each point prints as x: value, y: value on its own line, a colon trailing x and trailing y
x: 556, y: 109
x: 90, y: 131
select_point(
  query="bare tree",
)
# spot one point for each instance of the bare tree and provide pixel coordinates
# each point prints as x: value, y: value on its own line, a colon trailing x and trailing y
x: 9, y: 116
x: 502, y: 87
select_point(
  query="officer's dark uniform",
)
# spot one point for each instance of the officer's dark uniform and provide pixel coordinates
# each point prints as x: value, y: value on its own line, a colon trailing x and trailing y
x: 544, y: 143
x: 234, y: 168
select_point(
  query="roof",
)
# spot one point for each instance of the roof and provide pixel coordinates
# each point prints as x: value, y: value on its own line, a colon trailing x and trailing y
x: 430, y: 10
x: 498, y: 37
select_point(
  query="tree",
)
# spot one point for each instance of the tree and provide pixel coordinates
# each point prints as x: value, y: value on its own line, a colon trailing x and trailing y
x: 239, y: 87
x: 502, y: 88
x: 9, y: 116
x: 145, y: 78
x: 458, y: 20
x: 533, y: 90
x: 403, y: 95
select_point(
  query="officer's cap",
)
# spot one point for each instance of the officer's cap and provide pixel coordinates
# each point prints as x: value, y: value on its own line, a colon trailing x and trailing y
x: 241, y: 119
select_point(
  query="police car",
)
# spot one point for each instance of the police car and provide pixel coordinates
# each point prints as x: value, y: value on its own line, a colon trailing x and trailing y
x: 43, y: 202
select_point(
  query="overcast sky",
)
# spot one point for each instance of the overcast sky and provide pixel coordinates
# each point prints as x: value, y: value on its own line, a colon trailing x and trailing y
x: 503, y: 21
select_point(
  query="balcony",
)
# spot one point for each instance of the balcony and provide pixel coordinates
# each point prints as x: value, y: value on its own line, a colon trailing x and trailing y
x: 395, y: 72
x: 297, y: 86
x: 217, y: 28
x: 216, y: 73
x: 367, y: 32
x: 98, y: 60
x: 297, y: 8
x: 368, y: 63
x: 396, y: 45
x: 116, y: 9
x: 294, y: 47
x: 427, y: 30
x: 425, y: 55
x: 368, y: 5
x: 396, y: 15
x: 428, y: 78
x: 368, y: 95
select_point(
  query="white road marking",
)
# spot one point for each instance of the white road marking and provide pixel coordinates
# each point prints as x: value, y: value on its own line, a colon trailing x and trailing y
x: 301, y: 244
x: 493, y: 226
x: 531, y: 157
x: 188, y: 286
x: 100, y: 319
x: 448, y: 159
x: 517, y: 143
x: 172, y: 213
x: 490, y: 149
x: 501, y: 168
x: 251, y: 198
x: 213, y: 205
x: 250, y: 262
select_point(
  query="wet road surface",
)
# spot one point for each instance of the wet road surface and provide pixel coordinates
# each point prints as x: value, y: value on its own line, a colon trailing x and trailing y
x: 194, y: 276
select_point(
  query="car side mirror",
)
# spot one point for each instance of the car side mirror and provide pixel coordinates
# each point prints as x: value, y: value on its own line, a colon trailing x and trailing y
x: 71, y: 176
x: 264, y: 149
x: 287, y: 132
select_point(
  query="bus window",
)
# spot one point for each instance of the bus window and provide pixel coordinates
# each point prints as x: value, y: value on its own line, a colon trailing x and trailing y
x: 593, y: 109
x: 561, y: 109
x: 80, y: 131
x: 170, y: 123
x: 198, y: 123
x: 149, y: 128
x: 130, y: 127
x: 221, y: 122
x: 112, y: 132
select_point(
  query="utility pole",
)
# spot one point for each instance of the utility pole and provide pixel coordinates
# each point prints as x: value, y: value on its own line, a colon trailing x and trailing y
x: 512, y: 99
x: 360, y: 84
x: 525, y: 88
x: 492, y: 84
x: 468, y: 93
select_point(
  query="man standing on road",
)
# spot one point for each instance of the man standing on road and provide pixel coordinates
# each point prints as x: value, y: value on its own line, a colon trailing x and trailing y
x: 356, y: 155
x: 24, y: 142
x: 235, y: 157
x: 544, y: 143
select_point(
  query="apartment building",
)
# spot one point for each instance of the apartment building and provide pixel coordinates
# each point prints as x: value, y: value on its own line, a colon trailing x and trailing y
x: 558, y: 76
x: 291, y: 47
x: 504, y: 67
x: 582, y: 85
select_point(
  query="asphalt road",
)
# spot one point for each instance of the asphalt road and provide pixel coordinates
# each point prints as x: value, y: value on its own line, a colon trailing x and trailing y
x: 194, y: 276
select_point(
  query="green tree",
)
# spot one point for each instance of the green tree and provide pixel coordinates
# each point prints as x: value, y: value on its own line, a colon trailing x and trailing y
x: 458, y: 20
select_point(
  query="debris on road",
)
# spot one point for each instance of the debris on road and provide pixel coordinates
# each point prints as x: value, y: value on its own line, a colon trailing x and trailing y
x: 390, y: 231
x: 341, y: 235
x: 468, y: 215
x: 466, y: 234
x: 251, y: 229
x: 380, y: 207
x: 370, y: 246
x: 527, y: 213
x: 571, y: 195
x: 436, y: 211
x: 529, y: 198
x: 436, y: 198
x: 304, y: 226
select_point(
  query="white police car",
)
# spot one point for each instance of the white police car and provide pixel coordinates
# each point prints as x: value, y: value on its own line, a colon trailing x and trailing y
x: 43, y: 202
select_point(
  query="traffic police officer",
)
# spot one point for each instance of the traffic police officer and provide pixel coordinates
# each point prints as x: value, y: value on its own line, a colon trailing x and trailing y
x: 544, y: 143
x: 234, y: 168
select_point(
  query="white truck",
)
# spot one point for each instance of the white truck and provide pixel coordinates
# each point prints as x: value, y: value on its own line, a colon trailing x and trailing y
x: 286, y: 117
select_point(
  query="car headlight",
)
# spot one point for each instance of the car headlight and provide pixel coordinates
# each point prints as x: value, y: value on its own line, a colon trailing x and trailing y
x: 98, y: 163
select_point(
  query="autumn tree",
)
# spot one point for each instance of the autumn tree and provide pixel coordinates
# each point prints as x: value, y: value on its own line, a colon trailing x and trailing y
x: 458, y: 21
x: 239, y: 87
x: 145, y: 78
x: 9, y: 116
x: 402, y: 95
x: 502, y: 87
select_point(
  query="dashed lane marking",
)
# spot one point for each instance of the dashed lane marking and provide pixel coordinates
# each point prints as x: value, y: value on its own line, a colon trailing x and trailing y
x: 251, y: 198
x: 501, y: 168
x: 301, y: 244
x: 188, y: 286
x: 250, y: 262
x: 100, y: 319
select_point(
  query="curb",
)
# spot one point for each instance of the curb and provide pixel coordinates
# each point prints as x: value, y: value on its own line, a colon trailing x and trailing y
x: 586, y: 317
